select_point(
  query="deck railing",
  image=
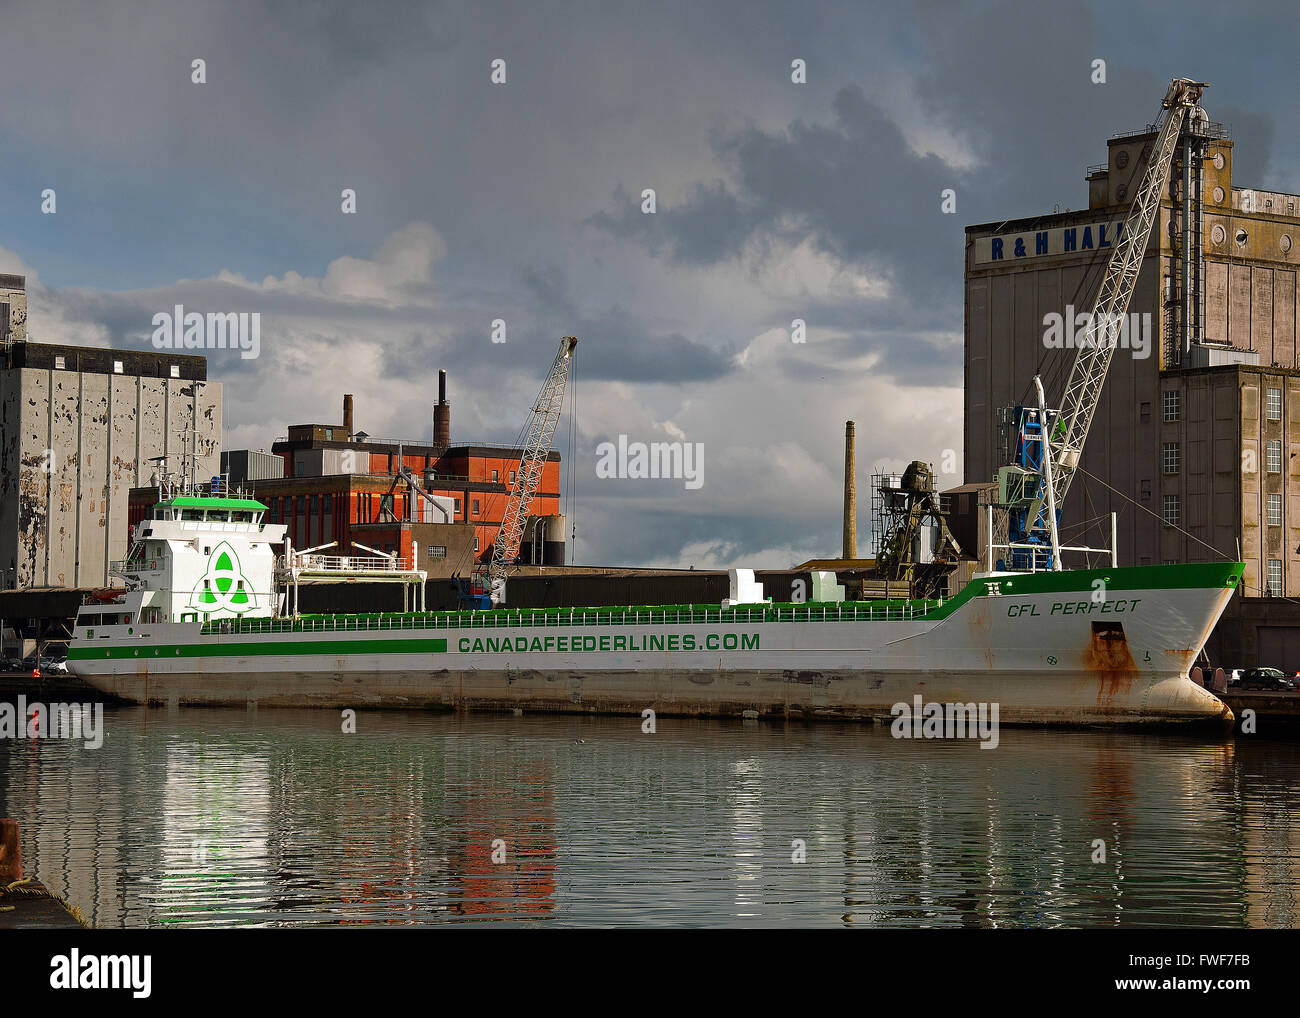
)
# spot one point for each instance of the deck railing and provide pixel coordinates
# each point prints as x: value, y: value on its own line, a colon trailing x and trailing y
x: 349, y: 563
x: 539, y: 618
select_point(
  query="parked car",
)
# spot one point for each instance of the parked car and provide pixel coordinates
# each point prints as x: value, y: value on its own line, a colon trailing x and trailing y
x: 1267, y: 678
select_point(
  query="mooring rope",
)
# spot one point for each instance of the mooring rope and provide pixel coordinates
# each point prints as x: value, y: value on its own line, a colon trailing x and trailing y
x: 22, y: 889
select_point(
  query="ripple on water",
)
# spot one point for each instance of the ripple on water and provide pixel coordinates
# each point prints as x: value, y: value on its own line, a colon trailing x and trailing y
x: 277, y: 818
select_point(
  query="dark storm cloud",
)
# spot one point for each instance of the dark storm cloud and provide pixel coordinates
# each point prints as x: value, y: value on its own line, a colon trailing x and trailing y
x: 1014, y: 81
x: 854, y: 186
x: 616, y: 344
x: 711, y: 226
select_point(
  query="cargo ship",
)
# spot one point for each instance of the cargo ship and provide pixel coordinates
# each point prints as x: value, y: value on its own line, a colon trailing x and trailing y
x: 206, y: 618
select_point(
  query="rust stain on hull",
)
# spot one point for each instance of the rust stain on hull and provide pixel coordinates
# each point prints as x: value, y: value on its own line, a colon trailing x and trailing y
x: 1109, y: 657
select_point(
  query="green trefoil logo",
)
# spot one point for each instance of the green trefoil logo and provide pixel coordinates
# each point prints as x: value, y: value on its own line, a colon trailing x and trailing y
x: 223, y: 587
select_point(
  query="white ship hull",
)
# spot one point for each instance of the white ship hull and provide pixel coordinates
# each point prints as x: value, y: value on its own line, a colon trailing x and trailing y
x: 1048, y: 648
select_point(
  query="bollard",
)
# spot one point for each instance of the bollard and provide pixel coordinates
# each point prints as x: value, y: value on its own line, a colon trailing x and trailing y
x: 11, y: 853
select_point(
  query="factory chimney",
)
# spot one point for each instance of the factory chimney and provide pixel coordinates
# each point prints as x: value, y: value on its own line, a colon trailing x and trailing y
x: 347, y: 414
x: 442, y: 414
x: 850, y: 496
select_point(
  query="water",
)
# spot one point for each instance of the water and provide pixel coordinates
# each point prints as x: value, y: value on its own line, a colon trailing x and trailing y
x: 278, y: 818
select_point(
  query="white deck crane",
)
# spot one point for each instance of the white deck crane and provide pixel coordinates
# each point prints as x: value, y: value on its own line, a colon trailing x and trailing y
x: 540, y: 433
x: 1068, y: 427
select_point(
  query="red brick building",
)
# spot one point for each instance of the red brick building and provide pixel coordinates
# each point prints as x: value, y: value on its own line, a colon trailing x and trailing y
x: 336, y: 479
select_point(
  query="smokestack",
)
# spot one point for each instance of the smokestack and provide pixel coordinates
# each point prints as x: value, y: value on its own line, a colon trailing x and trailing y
x: 347, y: 414
x: 850, y: 496
x: 442, y: 414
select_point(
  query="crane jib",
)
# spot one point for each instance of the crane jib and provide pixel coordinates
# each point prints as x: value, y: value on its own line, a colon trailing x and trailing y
x: 540, y: 433
x: 1067, y: 429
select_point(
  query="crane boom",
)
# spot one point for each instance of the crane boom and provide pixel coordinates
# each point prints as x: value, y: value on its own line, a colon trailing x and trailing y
x: 1070, y: 424
x: 542, y: 423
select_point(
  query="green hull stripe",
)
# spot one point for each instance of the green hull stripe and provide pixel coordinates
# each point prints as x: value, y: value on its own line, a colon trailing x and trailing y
x: 261, y: 649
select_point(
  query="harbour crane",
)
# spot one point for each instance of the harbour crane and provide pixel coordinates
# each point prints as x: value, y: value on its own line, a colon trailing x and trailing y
x: 488, y: 585
x: 1050, y: 442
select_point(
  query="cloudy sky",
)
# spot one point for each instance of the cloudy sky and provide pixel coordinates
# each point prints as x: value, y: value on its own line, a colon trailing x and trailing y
x: 522, y: 201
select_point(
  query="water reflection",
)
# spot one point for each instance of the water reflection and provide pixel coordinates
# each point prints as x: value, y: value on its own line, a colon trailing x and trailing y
x: 207, y: 817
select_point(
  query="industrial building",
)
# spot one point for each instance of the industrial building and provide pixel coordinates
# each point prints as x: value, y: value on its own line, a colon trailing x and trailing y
x: 80, y: 428
x: 439, y: 502
x: 1196, y: 440
x: 13, y: 308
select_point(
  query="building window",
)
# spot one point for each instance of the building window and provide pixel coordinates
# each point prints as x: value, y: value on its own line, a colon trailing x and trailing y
x: 1146, y: 491
x: 1171, y: 457
x: 1273, y: 457
x: 475, y: 544
x: 1274, y: 588
x: 496, y: 476
x: 60, y: 362
x: 475, y: 509
x: 1274, y: 404
x: 457, y: 509
x: 1274, y: 510
x: 117, y: 367
x: 1173, y: 511
x: 327, y: 503
x: 436, y: 551
x: 1173, y: 405
x: 1144, y: 412
x: 175, y: 371
x: 512, y: 477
